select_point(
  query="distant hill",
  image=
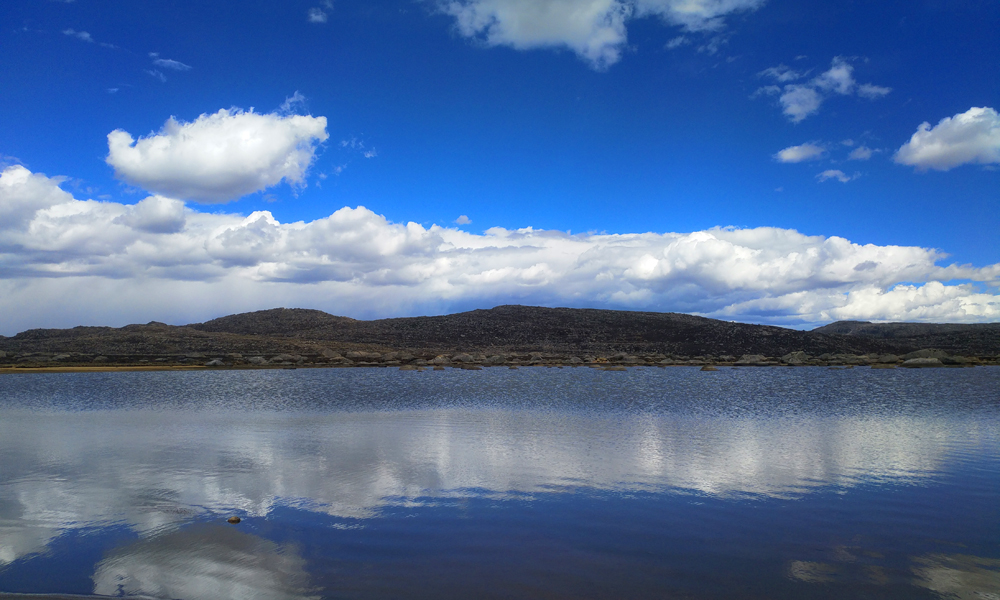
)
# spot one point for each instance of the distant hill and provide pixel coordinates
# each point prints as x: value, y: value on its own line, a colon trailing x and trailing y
x: 966, y: 339
x: 504, y: 330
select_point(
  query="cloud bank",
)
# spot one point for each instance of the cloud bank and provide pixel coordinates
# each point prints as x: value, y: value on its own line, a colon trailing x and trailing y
x: 65, y: 262
x: 218, y: 157
x: 972, y: 137
x: 594, y: 29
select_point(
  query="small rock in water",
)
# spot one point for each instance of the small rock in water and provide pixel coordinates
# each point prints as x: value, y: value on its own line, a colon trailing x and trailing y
x: 615, y: 368
x: 438, y: 368
x: 709, y: 368
x: 233, y: 520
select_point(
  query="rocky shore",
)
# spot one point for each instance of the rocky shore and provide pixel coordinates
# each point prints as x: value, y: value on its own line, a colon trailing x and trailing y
x: 506, y: 336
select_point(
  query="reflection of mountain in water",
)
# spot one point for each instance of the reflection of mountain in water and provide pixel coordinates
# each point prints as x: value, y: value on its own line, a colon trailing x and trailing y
x: 156, y: 470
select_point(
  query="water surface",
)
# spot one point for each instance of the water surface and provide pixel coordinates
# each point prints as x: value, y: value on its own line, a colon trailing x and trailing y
x: 534, y: 483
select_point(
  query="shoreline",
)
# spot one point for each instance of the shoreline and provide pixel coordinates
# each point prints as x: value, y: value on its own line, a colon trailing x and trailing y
x: 598, y: 366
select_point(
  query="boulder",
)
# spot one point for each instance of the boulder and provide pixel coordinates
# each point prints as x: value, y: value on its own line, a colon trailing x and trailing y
x: 100, y: 359
x: 257, y: 360
x: 575, y: 360
x: 913, y: 363
x: 286, y: 358
x: 357, y: 354
x: 408, y: 368
x: 496, y: 359
x: 953, y: 361
x: 926, y: 353
x: 440, y: 360
x: 752, y: 359
x: 462, y: 358
x: 795, y: 358
x: 327, y: 353
x: 215, y: 362
x: 60, y: 357
x: 887, y: 359
x: 709, y: 368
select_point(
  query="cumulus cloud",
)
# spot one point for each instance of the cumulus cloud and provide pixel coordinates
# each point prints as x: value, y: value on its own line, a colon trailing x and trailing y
x: 594, y: 29
x: 463, y: 220
x: 834, y: 174
x: 158, y: 260
x: 861, y: 153
x: 218, y: 157
x: 800, y: 153
x: 972, y: 137
x: 801, y: 100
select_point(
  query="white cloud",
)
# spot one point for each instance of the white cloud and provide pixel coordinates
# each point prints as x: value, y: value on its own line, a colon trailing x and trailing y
x: 316, y: 15
x: 782, y: 73
x: 834, y: 174
x: 175, y: 65
x: 218, y: 157
x: 157, y: 74
x: 677, y: 42
x: 292, y: 104
x: 594, y: 29
x: 800, y: 153
x: 157, y: 260
x: 861, y: 153
x: 80, y: 35
x: 972, y: 137
x: 872, y: 92
x: 839, y: 79
x: 463, y: 220
x: 695, y: 15
x: 800, y: 100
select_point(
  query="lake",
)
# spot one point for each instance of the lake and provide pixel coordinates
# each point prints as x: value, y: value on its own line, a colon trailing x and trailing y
x: 529, y: 483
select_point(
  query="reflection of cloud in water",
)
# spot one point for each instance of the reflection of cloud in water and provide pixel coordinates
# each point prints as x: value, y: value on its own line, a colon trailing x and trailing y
x: 960, y: 576
x: 153, y: 470
x: 204, y: 562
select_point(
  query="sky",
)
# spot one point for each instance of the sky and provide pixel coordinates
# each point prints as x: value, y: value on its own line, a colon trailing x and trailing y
x: 763, y: 161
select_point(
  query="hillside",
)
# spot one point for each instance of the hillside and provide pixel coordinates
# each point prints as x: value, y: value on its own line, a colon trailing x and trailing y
x: 507, y: 333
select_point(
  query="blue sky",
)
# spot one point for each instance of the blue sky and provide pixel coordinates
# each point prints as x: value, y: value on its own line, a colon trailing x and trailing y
x: 601, y: 125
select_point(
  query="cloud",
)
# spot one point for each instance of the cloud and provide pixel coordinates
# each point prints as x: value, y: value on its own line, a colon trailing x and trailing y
x: 80, y: 35
x: 834, y: 174
x: 677, y: 42
x: 861, y: 153
x: 872, y: 92
x: 463, y: 220
x: 155, y: 260
x: 316, y: 15
x: 167, y: 63
x: 782, y: 73
x: 801, y: 100
x: 972, y: 137
x: 157, y: 74
x: 594, y: 29
x: 292, y: 104
x: 218, y: 157
x: 800, y: 153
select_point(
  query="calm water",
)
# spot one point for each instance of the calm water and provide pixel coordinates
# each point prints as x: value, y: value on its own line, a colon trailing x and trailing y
x: 535, y: 483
